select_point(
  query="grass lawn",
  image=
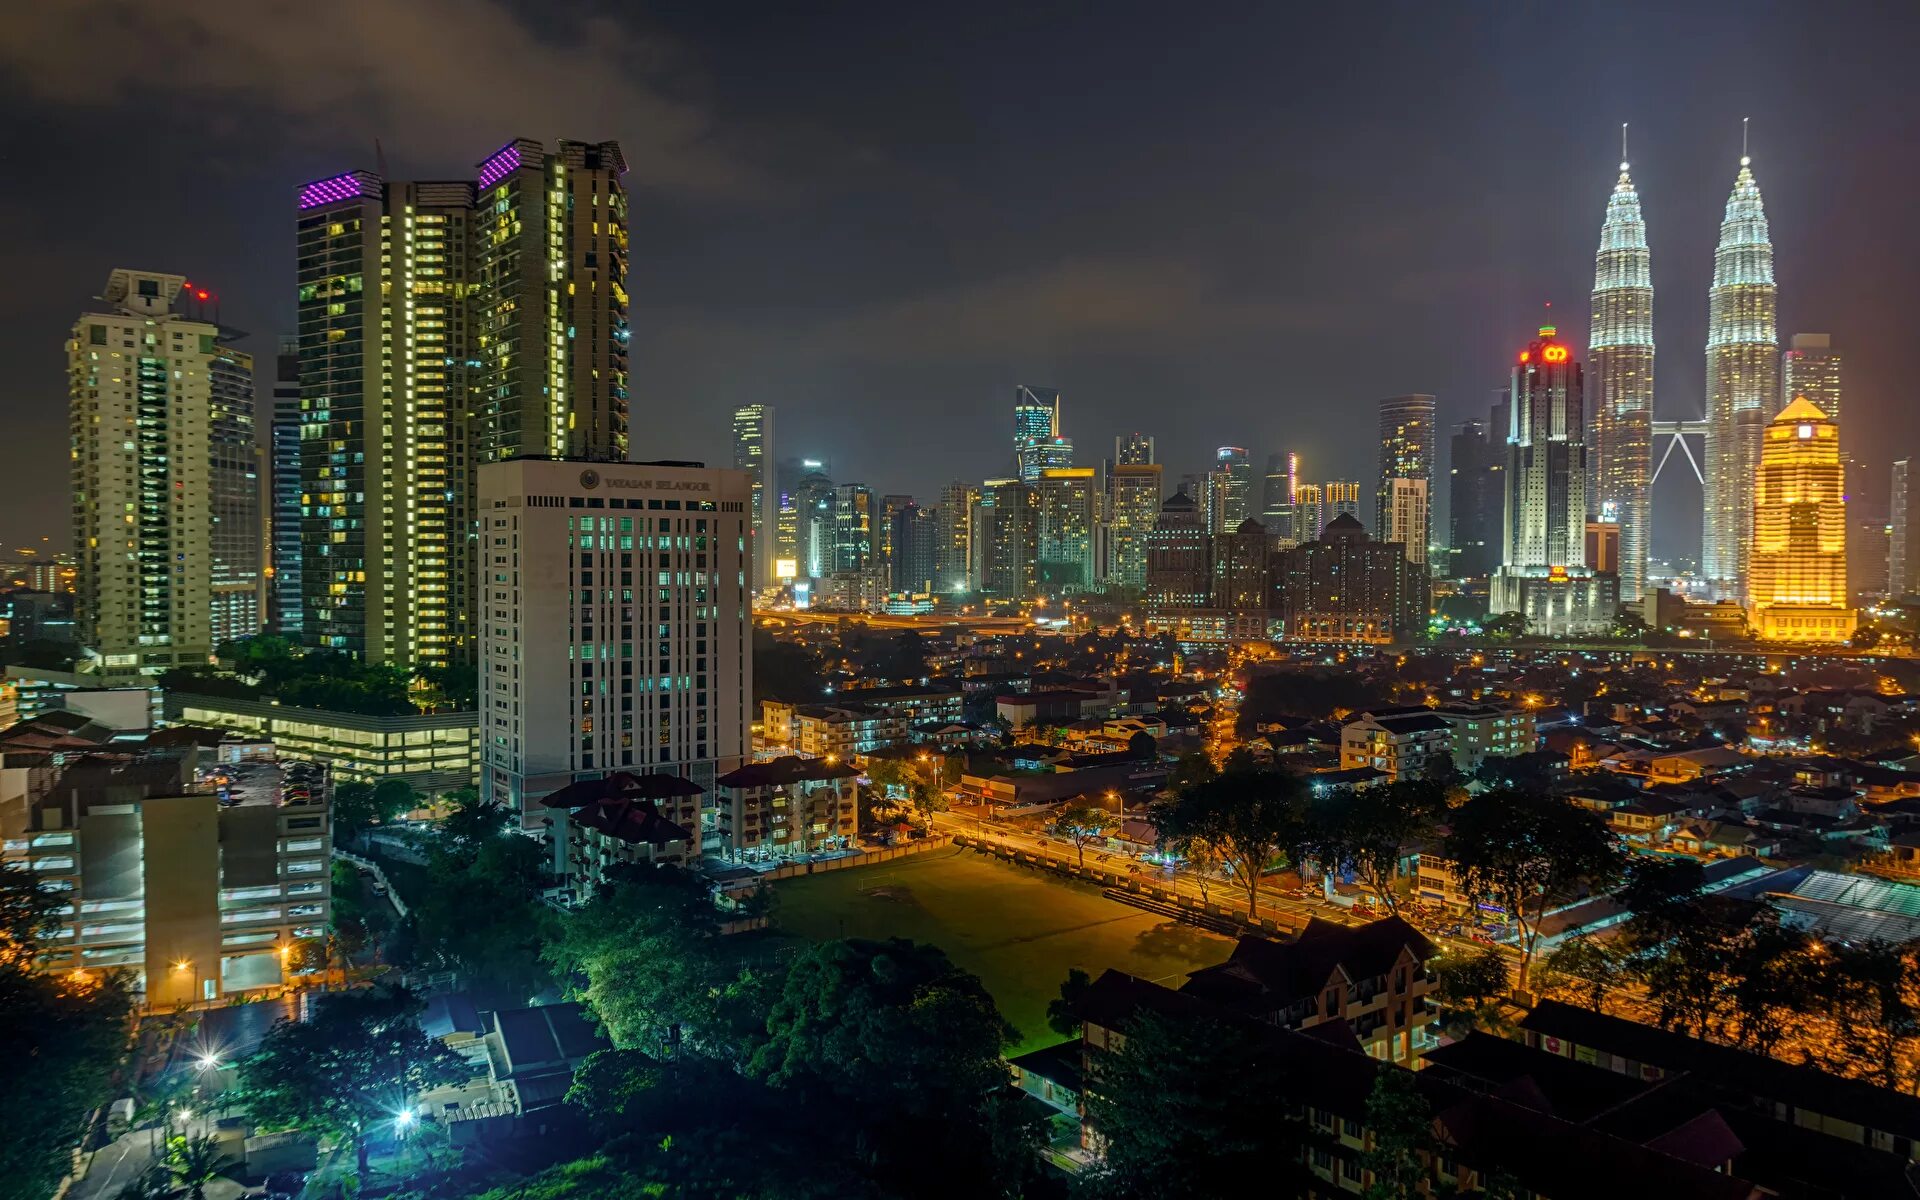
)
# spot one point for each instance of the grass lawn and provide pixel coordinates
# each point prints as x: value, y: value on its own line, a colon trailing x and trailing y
x: 1018, y: 929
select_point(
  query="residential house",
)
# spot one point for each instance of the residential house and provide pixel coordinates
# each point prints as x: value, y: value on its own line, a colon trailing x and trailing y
x: 787, y: 806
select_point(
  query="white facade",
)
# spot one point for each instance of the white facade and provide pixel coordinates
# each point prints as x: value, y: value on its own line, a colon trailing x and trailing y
x: 153, y: 396
x: 1407, y: 509
x: 615, y: 625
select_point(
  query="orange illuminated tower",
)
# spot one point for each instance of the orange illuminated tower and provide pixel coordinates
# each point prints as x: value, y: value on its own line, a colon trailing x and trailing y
x: 1797, y: 579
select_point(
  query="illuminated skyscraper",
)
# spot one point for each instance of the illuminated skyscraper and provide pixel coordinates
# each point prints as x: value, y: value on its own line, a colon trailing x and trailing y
x: 954, y: 556
x: 1276, y: 501
x: 1310, y: 514
x: 1007, y: 538
x: 1743, y: 382
x: 442, y: 325
x: 1231, y: 490
x: 1407, y: 437
x: 1338, y: 497
x: 1409, y: 517
x: 855, y: 520
x: 753, y: 452
x: 1903, y: 531
x: 1544, y: 572
x: 1069, y: 504
x: 1133, y: 449
x: 166, y: 516
x: 1037, y: 443
x: 1811, y: 368
x: 1133, y: 504
x: 1620, y: 382
x: 1798, y: 580
x: 283, y: 604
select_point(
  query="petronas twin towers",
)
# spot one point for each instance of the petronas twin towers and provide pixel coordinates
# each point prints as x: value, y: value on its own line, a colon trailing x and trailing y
x: 1743, y: 382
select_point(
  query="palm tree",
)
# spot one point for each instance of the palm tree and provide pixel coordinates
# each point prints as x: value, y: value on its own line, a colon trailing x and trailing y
x: 196, y: 1162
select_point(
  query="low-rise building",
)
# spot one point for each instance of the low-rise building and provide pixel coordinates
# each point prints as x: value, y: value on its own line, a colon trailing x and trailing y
x: 1372, y: 976
x: 1477, y: 732
x: 196, y: 876
x: 1412, y: 746
x: 621, y: 818
x: 787, y: 807
x: 842, y: 731
x: 435, y: 752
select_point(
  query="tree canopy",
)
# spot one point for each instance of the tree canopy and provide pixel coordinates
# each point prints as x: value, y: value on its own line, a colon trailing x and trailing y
x: 1246, y: 818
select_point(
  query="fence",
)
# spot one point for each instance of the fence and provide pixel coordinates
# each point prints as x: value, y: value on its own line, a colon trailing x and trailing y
x: 373, y: 868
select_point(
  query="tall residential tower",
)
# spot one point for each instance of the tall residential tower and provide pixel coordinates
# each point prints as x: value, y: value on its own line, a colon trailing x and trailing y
x: 1407, y: 437
x: 1743, y: 383
x: 1620, y: 382
x: 753, y: 452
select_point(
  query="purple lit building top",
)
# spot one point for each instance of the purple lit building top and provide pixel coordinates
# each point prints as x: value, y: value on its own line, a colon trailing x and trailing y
x: 506, y: 160
x: 349, y: 186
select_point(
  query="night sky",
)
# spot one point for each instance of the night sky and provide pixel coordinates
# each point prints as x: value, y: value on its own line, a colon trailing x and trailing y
x: 1219, y: 223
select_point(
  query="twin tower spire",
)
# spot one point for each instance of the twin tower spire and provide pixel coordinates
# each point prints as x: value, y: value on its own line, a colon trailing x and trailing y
x: 1742, y: 379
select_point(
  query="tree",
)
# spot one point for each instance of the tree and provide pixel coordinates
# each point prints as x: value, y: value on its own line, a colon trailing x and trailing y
x: 1526, y: 853
x: 196, y: 1161
x: 785, y: 671
x: 357, y: 1063
x: 66, y: 1035
x: 1587, y: 967
x: 644, y: 953
x: 1368, y: 829
x: 1190, y: 770
x: 1401, y: 1122
x: 1080, y: 824
x: 1506, y: 627
x: 481, y: 911
x: 1187, y: 1108
x: 1249, y: 818
x: 908, y: 1048
x: 1468, y: 983
x: 358, y: 805
x: 1628, y: 627
x: 1063, y: 1011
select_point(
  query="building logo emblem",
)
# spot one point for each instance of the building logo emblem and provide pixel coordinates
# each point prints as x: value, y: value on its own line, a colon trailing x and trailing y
x: 589, y: 479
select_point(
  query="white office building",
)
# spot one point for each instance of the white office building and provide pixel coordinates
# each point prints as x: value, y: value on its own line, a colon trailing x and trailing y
x: 615, y: 627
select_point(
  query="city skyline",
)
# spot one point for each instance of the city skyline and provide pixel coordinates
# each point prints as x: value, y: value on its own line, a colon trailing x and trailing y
x: 1195, y: 305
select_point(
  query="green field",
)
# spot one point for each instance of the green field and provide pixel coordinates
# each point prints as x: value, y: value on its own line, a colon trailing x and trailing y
x: 1017, y: 928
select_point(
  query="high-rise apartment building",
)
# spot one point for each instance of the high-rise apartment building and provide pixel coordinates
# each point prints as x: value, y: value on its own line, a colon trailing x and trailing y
x: 1133, y: 505
x: 548, y: 311
x: 953, y: 568
x: 441, y: 325
x: 617, y: 626
x: 753, y: 452
x: 1903, y: 528
x: 1342, y: 586
x: 166, y: 519
x: 914, y: 544
x: 856, y: 518
x: 1811, y: 368
x: 1409, y: 517
x: 1276, y: 498
x: 1743, y: 382
x: 1070, y: 529
x: 1338, y: 497
x: 284, y: 601
x: 1476, y: 499
x: 1231, y: 493
x: 1133, y: 450
x: 1007, y: 538
x: 1544, y: 572
x: 1179, y: 562
x: 1408, y: 436
x: 1798, y: 579
x: 1620, y: 383
x: 1310, y: 514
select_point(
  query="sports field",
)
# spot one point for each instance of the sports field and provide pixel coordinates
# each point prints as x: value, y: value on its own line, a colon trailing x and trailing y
x: 1017, y: 928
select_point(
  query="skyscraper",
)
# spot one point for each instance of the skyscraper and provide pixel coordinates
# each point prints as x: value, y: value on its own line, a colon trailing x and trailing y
x: 753, y: 452
x: 1476, y: 500
x: 1798, y: 581
x: 654, y: 680
x: 1544, y: 572
x: 1231, y: 493
x: 954, y: 556
x: 1133, y: 449
x: 1903, y: 532
x: 1007, y: 538
x: 914, y: 542
x: 814, y: 533
x: 548, y: 314
x: 1069, y: 528
x: 1309, y: 511
x: 1811, y: 368
x: 1409, y: 517
x: 1133, y: 503
x: 855, y: 519
x: 1620, y: 382
x: 441, y: 325
x: 1036, y: 430
x: 1407, y: 437
x: 1743, y: 382
x: 1339, y: 496
x: 284, y: 452
x: 158, y: 403
x: 1276, y: 499
x: 1179, y: 565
